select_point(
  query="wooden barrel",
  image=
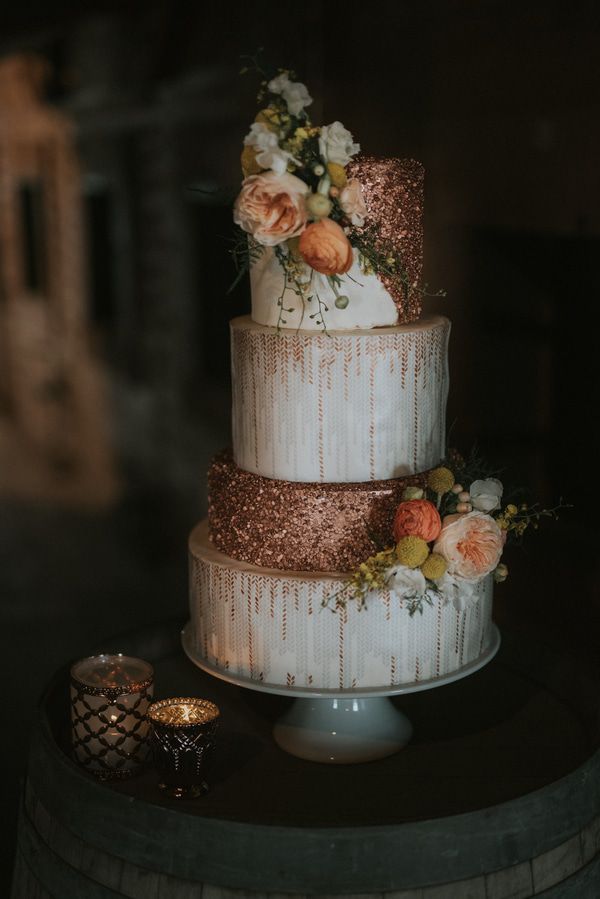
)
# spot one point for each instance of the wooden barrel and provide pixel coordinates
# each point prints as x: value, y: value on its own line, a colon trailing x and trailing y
x: 497, y: 796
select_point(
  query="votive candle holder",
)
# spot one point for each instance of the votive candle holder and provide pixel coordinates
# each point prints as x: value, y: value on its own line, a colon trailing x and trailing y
x: 110, y: 696
x: 182, y: 740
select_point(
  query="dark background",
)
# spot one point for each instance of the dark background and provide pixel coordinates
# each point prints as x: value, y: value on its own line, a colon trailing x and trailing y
x: 500, y: 101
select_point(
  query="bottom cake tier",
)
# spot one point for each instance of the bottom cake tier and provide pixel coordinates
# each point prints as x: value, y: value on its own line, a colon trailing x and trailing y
x: 272, y: 627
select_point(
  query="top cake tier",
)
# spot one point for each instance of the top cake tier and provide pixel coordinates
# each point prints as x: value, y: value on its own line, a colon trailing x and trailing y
x: 392, y: 190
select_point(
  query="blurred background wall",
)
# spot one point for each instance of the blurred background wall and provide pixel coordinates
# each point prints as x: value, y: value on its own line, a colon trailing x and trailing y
x: 114, y: 270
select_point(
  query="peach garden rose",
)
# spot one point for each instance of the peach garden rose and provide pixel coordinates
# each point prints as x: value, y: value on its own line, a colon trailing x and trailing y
x: 417, y: 518
x: 271, y: 207
x: 471, y: 544
x: 325, y: 247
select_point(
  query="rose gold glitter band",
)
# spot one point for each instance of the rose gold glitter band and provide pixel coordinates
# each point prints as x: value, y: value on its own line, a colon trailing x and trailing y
x: 297, y: 526
x: 393, y: 192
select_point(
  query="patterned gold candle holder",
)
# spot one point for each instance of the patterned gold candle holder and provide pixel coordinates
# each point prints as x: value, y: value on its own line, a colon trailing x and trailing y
x: 182, y: 739
x: 110, y: 696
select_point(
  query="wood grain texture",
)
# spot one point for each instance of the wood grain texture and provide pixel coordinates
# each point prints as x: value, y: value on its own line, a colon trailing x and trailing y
x: 80, y: 838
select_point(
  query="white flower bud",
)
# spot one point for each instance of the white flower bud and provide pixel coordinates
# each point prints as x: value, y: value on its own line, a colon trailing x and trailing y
x: 318, y: 205
x: 501, y: 573
x: 412, y: 493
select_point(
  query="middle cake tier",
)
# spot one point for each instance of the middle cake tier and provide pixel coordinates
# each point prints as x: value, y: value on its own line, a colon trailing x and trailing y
x: 343, y: 406
x: 292, y: 525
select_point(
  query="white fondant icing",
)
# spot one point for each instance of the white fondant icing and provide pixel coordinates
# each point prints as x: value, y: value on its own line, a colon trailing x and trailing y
x: 270, y: 626
x: 369, y: 306
x: 351, y: 406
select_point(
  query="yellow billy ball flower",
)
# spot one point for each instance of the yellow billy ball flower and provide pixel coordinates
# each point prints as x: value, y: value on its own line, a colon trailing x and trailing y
x: 440, y: 480
x: 511, y: 510
x: 268, y: 117
x: 249, y: 164
x: 411, y: 551
x: 337, y: 173
x: 434, y: 566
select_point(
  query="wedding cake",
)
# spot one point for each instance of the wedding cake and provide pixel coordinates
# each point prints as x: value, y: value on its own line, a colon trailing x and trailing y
x: 345, y: 547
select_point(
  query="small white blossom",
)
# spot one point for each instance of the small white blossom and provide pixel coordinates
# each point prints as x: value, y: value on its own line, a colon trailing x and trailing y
x: 407, y: 583
x: 294, y: 93
x: 336, y: 144
x: 270, y: 155
x: 461, y: 592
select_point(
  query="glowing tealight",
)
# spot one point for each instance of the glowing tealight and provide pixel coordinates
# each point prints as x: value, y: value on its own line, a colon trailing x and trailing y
x: 183, y: 711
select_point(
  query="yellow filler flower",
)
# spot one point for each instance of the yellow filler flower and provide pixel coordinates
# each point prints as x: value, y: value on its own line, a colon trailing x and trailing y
x: 337, y: 173
x: 249, y: 164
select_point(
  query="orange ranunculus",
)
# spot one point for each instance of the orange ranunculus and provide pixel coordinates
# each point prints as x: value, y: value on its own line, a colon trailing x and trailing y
x: 325, y: 247
x: 417, y: 518
x: 271, y: 207
x: 471, y: 544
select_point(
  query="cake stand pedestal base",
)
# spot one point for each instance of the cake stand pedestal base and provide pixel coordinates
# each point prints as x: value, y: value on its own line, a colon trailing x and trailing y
x: 343, y: 726
x: 342, y: 730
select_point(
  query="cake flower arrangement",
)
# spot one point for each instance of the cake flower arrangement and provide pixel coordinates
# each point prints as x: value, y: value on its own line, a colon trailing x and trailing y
x: 299, y: 199
x: 448, y: 537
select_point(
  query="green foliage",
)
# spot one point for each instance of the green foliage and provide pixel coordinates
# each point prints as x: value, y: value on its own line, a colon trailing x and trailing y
x: 244, y: 252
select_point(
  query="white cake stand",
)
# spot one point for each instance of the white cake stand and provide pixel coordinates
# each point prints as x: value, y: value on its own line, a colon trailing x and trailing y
x: 342, y: 726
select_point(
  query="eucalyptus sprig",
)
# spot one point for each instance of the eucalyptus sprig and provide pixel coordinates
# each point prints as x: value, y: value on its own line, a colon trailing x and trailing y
x: 255, y: 63
x: 415, y: 603
x: 384, y: 260
x: 244, y: 252
x: 474, y: 467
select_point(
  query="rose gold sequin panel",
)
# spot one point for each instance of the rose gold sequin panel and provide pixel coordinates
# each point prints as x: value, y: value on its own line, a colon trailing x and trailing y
x: 393, y: 192
x: 296, y: 526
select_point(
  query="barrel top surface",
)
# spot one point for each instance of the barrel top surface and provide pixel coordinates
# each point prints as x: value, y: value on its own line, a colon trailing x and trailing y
x: 498, y: 744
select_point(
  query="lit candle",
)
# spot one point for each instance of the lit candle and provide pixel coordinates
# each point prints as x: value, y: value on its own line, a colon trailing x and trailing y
x: 182, y: 737
x: 110, y: 695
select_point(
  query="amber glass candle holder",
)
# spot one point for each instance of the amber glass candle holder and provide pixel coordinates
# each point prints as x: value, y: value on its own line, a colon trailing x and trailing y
x: 110, y: 696
x: 182, y: 739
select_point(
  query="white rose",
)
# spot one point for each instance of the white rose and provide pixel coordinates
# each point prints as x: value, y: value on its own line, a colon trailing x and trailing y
x: 336, y: 144
x: 408, y: 583
x: 294, y: 93
x: 459, y: 591
x: 486, y: 495
x: 270, y: 155
x: 353, y: 203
